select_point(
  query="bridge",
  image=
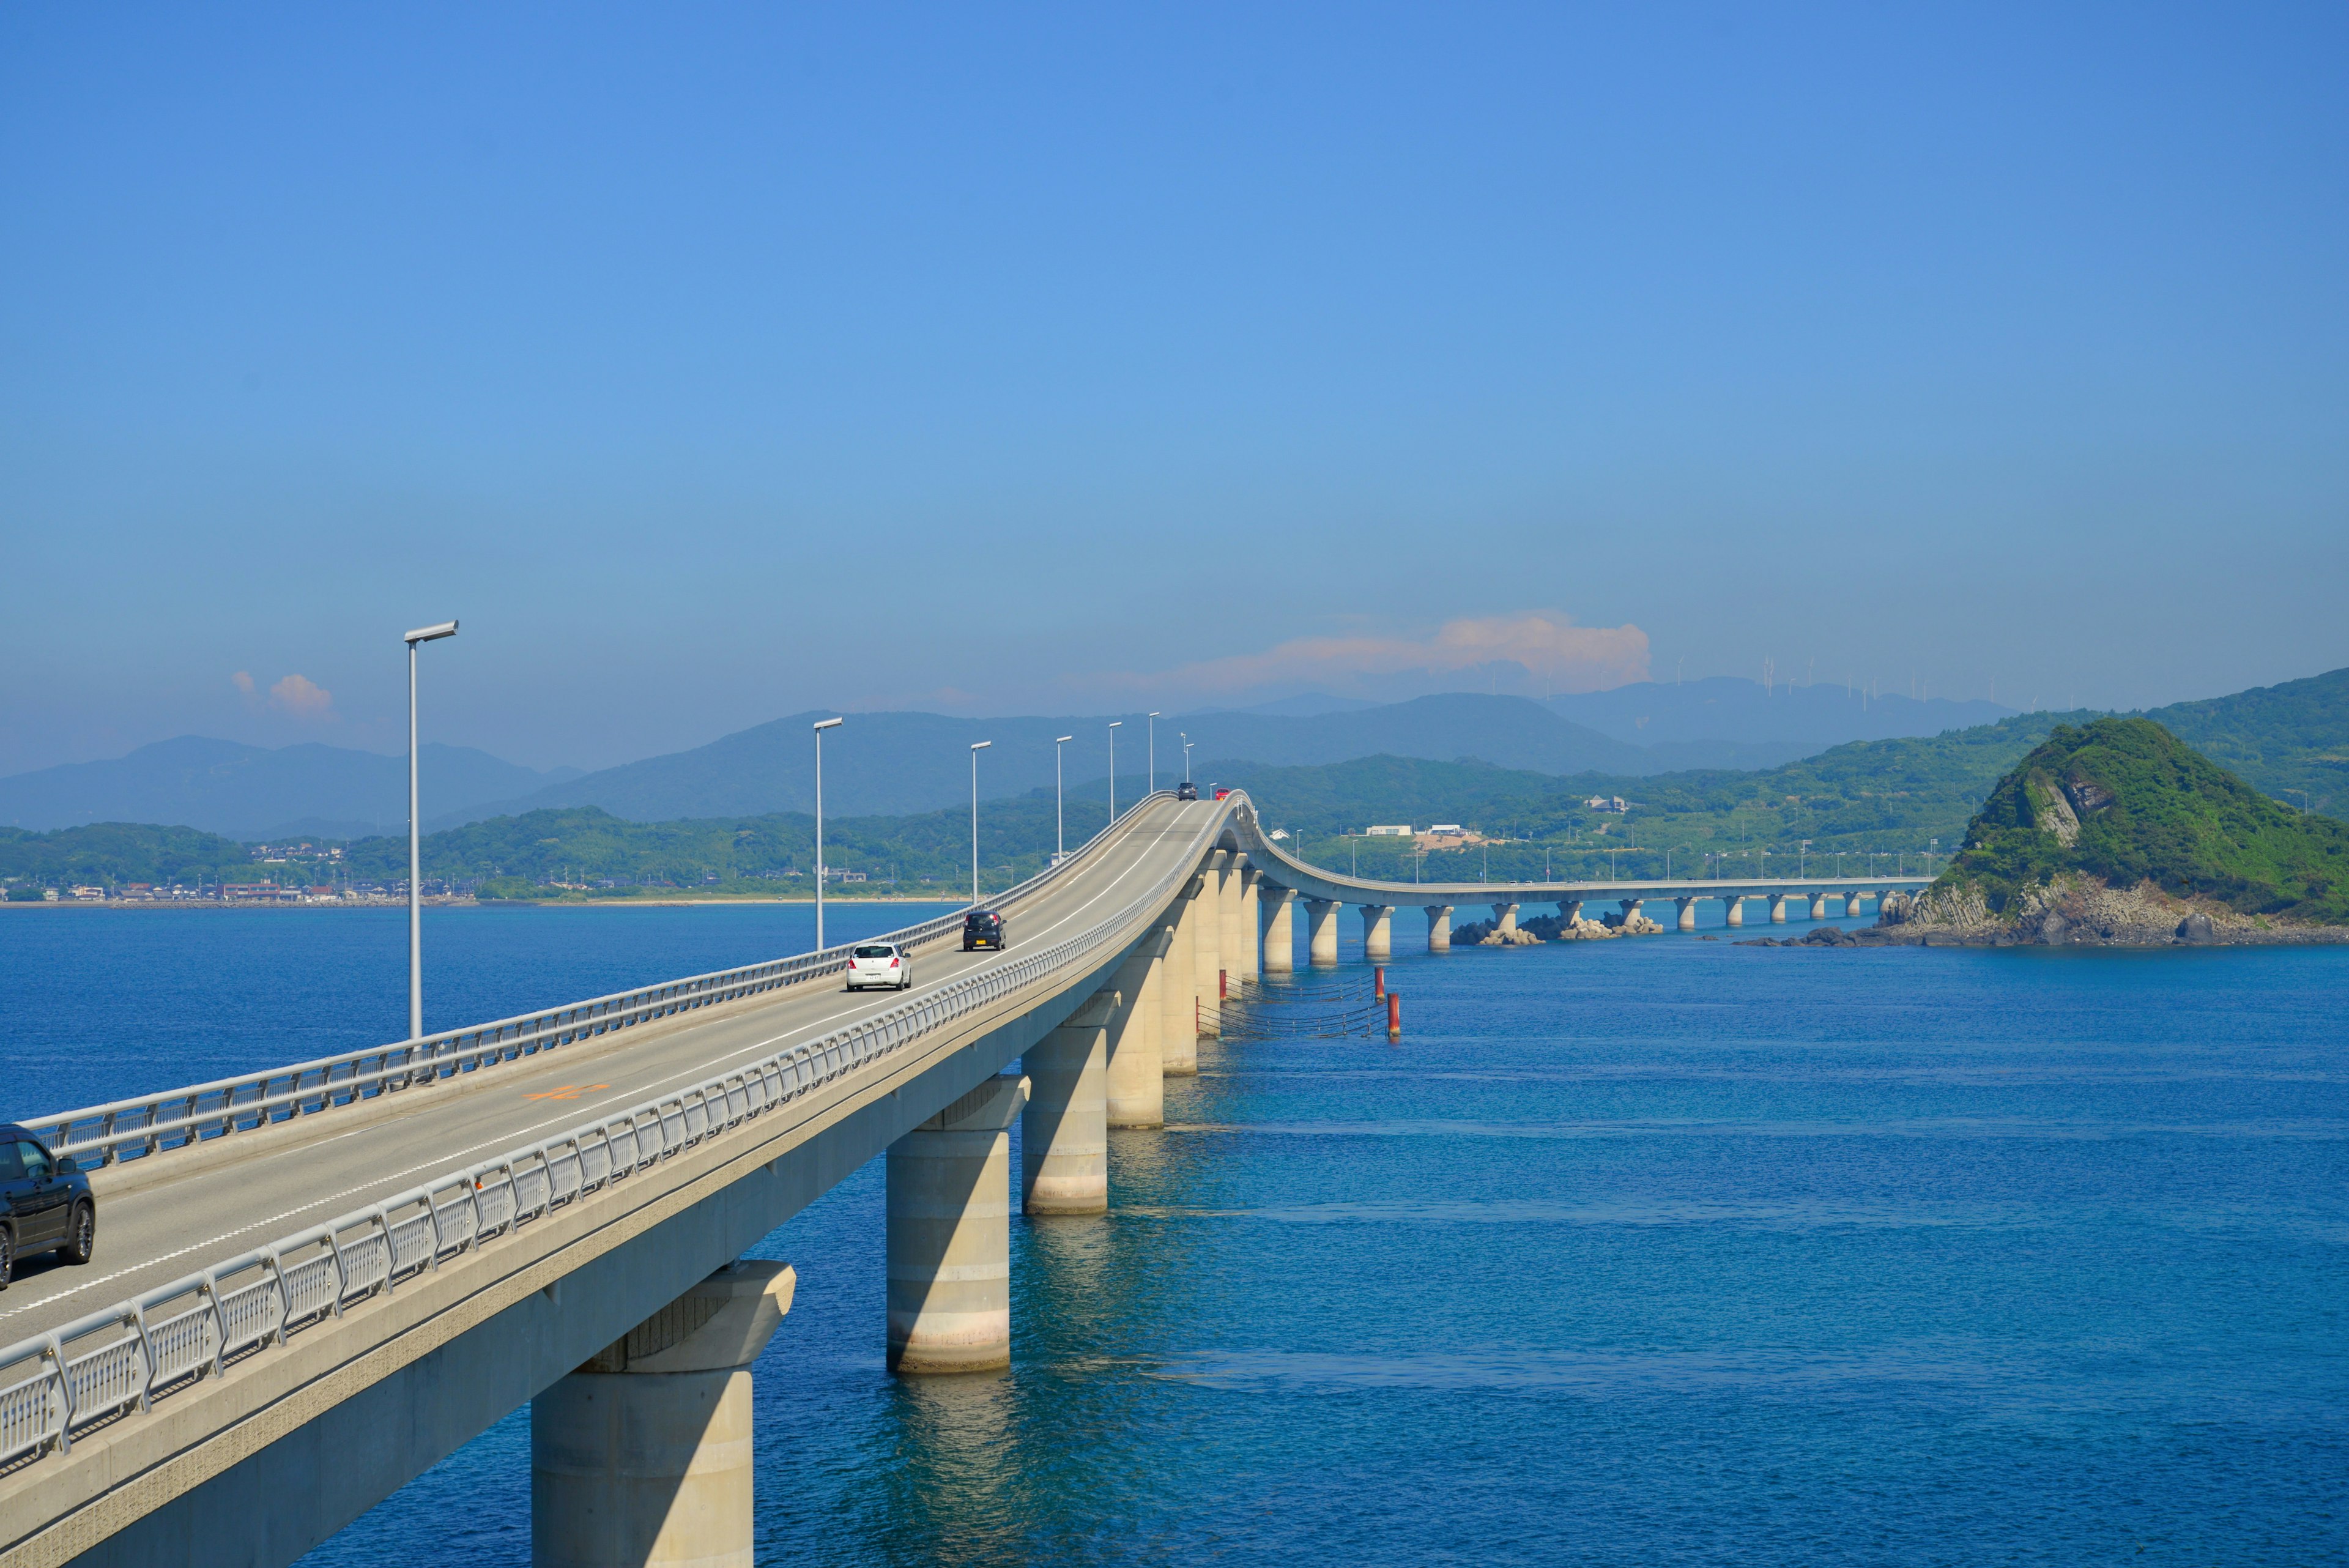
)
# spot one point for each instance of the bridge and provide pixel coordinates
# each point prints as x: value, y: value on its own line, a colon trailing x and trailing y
x: 314, y: 1284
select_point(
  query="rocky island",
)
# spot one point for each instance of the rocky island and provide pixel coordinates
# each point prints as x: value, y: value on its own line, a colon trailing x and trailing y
x: 2117, y: 834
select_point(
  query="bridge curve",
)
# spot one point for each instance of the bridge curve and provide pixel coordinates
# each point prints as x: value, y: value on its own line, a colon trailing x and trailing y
x: 332, y: 1275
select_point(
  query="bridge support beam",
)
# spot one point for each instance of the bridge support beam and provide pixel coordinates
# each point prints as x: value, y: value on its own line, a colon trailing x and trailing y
x: 1185, y: 1009
x: 1570, y: 910
x: 1065, y: 1131
x: 1279, y: 929
x: 1439, y: 928
x: 1687, y: 907
x: 644, y: 1455
x: 1819, y: 904
x: 1137, y: 1068
x: 949, y: 1241
x: 1777, y: 908
x: 1321, y: 919
x: 1851, y: 905
x: 1378, y: 930
x: 1240, y: 945
x: 1505, y: 920
x: 1735, y: 910
x: 1206, y: 923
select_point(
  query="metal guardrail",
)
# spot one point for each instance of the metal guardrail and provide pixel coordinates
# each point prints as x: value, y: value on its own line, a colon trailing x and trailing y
x: 149, y: 1123
x: 155, y: 1344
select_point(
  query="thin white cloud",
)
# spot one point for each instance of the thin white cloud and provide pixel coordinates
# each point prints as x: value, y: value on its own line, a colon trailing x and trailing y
x: 242, y: 681
x: 302, y: 698
x: 1548, y: 650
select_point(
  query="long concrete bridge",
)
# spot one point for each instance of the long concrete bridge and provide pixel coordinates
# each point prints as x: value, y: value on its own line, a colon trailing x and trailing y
x: 314, y: 1284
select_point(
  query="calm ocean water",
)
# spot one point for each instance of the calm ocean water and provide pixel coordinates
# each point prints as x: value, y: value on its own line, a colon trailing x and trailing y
x: 1653, y: 1250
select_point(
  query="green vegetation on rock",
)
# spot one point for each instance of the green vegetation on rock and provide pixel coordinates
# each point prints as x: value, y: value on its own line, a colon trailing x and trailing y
x: 108, y: 854
x: 2125, y: 802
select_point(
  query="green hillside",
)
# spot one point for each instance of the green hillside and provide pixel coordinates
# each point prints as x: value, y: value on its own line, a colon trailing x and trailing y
x: 2291, y: 740
x: 2125, y: 801
x: 111, y: 853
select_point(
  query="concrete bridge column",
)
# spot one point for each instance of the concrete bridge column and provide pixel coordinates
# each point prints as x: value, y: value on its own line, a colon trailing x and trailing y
x: 1687, y: 907
x: 644, y: 1456
x: 1736, y: 908
x: 1207, y: 924
x: 1321, y: 917
x: 1240, y: 944
x: 1505, y: 920
x: 1065, y: 1131
x: 1180, y: 1017
x: 1439, y: 928
x: 1378, y: 930
x: 1137, y: 1070
x: 1851, y: 904
x: 1570, y: 910
x: 1777, y: 908
x: 1819, y: 906
x: 1279, y: 929
x: 1632, y: 907
x: 949, y: 1243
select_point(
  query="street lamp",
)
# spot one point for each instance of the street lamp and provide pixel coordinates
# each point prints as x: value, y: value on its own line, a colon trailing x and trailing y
x: 1114, y: 726
x: 1059, y: 817
x: 821, y: 726
x: 1186, y: 757
x: 416, y: 842
x: 1150, y: 725
x: 975, y: 747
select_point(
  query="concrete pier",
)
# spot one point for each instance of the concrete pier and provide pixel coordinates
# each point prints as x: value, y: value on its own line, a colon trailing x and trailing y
x: 1505, y: 920
x: 1065, y: 1131
x: 1279, y: 929
x: 1570, y: 910
x: 1777, y: 908
x: 949, y: 1241
x: 1178, y: 1032
x: 1321, y: 917
x: 643, y: 1456
x: 1378, y: 930
x: 1735, y: 909
x: 1136, y: 1082
x: 1439, y: 928
x: 1818, y: 905
x: 1687, y: 907
x: 1241, y: 945
x: 1208, y: 945
x: 1631, y: 906
x: 1851, y: 906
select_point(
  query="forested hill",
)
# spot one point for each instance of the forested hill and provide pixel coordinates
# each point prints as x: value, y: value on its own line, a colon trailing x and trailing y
x: 2125, y: 801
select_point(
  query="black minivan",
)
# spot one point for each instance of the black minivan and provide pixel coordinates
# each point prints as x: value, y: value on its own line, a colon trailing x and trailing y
x: 982, y: 929
x: 45, y: 1202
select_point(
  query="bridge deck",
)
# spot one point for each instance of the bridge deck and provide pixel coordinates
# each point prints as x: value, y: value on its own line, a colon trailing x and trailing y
x: 257, y: 1186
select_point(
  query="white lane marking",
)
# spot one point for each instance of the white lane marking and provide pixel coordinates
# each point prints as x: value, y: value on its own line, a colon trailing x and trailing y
x: 502, y: 1141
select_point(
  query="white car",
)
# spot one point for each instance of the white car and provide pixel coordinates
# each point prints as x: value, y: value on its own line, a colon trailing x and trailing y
x: 882, y: 965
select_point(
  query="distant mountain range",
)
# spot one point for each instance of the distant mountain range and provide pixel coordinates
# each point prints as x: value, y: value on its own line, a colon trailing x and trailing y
x: 257, y: 793
x: 2292, y: 737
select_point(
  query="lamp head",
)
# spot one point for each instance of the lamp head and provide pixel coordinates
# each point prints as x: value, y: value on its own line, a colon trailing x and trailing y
x: 431, y: 633
x: 981, y: 745
x: 829, y: 724
x: 1057, y: 740
x: 1117, y: 723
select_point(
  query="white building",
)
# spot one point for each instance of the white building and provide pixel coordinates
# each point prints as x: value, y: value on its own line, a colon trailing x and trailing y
x: 1402, y: 832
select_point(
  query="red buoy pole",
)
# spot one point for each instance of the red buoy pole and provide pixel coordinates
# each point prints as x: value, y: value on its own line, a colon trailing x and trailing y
x: 1377, y: 981
x: 1394, y: 1014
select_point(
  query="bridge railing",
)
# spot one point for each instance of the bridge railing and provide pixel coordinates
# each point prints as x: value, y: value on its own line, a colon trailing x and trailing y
x: 155, y: 1344
x: 149, y: 1123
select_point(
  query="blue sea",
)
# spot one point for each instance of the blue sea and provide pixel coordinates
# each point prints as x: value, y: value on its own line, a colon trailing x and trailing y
x: 1653, y: 1250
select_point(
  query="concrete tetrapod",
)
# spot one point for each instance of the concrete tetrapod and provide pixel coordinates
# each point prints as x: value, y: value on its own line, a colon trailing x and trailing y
x: 949, y: 1243
x: 1065, y: 1131
x: 644, y: 1455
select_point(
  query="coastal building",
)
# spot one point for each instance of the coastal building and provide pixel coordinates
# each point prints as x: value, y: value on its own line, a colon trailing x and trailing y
x: 1401, y: 831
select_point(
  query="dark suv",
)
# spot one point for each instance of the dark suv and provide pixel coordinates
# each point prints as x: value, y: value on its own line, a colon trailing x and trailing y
x: 45, y: 1202
x: 982, y: 929
x: 1186, y: 790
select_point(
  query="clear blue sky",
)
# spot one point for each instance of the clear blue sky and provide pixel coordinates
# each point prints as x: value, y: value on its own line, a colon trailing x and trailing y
x: 713, y: 362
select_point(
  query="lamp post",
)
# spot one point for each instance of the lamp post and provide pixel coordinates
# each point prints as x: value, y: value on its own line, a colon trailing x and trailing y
x: 1150, y: 723
x: 1114, y: 726
x: 1060, y: 813
x: 416, y: 841
x: 1186, y: 757
x: 975, y: 747
x: 821, y: 726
